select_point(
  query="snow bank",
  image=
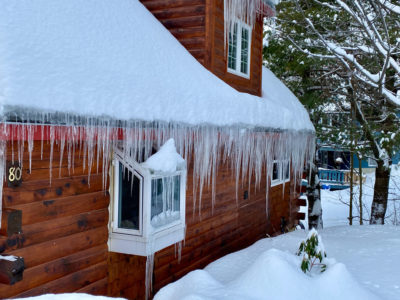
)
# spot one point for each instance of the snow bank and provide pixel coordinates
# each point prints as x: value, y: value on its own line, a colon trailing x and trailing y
x: 166, y: 159
x: 273, y: 274
x: 113, y: 59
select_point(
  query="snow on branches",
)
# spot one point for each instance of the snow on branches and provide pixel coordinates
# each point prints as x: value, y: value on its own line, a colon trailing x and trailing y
x: 371, y: 54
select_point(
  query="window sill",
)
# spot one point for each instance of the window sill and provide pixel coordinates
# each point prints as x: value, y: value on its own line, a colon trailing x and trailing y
x: 144, y: 246
x: 237, y: 73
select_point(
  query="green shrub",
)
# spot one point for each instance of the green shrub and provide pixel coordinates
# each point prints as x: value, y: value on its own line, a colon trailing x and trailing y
x: 313, y: 252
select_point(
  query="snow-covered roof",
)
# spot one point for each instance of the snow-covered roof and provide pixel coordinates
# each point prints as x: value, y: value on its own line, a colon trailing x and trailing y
x: 115, y: 60
x: 290, y: 110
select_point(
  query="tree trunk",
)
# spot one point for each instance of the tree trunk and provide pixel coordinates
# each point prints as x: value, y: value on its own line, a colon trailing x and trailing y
x: 351, y: 188
x: 361, y: 189
x: 314, y: 199
x: 381, y: 192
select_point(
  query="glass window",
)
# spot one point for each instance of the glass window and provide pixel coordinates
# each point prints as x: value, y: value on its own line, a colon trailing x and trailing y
x: 232, y: 48
x: 148, y: 207
x: 129, y: 199
x: 275, y: 171
x: 244, y: 57
x: 239, y: 40
x: 165, y: 200
x: 286, y: 167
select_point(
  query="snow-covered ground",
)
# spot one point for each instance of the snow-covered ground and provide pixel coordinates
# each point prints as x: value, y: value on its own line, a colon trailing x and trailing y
x: 335, y: 203
x: 367, y: 267
x: 363, y: 260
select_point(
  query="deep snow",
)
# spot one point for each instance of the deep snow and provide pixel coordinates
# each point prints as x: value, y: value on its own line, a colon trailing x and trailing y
x: 366, y: 267
x: 115, y: 59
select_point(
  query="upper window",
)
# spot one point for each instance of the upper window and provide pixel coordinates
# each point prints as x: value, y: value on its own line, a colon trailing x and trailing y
x: 239, y: 41
x: 148, y: 205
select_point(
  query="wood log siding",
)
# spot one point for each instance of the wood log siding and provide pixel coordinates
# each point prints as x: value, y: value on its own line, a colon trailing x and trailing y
x: 185, y: 19
x: 199, y: 26
x: 64, y: 227
x: 64, y: 231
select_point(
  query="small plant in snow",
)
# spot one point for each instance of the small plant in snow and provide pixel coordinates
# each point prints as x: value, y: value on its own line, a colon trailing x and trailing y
x: 313, y: 252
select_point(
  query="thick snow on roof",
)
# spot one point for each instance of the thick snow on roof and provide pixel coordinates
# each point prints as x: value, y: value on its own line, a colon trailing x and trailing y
x: 290, y: 109
x: 114, y: 59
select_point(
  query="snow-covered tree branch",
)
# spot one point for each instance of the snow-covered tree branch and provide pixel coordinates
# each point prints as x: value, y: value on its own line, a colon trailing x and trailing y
x: 373, y: 34
x: 351, y: 50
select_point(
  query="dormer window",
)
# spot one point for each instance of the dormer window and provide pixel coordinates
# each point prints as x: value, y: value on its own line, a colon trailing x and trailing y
x: 239, y: 40
x: 148, y: 202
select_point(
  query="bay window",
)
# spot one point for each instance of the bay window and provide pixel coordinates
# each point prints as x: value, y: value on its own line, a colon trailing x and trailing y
x: 148, y: 207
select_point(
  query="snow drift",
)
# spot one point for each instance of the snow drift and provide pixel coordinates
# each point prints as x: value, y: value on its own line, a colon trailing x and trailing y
x: 259, y: 273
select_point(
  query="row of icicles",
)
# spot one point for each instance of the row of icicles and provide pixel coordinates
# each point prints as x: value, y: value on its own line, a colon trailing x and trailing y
x: 249, y: 152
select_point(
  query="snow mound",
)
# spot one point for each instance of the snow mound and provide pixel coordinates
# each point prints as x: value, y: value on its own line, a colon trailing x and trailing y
x: 103, y: 59
x: 274, y: 274
x: 166, y: 159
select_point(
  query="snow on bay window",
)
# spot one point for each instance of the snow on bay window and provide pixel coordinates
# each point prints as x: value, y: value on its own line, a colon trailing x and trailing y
x: 148, y: 202
x: 239, y: 40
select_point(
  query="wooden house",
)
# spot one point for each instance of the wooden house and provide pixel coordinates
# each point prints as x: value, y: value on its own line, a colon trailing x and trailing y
x: 90, y: 92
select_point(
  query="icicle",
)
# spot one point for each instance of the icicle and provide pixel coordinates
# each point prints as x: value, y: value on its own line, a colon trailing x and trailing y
x: 179, y: 251
x: 248, y: 151
x: 149, y: 274
x: 30, y: 145
x: 3, y: 157
x: 62, y: 145
x: 52, y: 137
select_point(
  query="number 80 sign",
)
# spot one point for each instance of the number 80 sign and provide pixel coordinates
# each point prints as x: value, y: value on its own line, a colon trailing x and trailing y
x: 14, y: 174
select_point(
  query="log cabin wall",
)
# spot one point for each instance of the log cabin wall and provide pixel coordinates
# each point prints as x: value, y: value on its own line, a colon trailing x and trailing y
x: 64, y: 230
x: 199, y: 26
x: 64, y: 227
x: 186, y: 20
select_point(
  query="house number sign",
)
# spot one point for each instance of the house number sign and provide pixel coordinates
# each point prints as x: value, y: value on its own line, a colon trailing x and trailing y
x: 14, y: 174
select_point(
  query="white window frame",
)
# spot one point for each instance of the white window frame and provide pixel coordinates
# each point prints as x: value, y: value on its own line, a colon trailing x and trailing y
x: 281, y: 172
x: 277, y: 181
x: 148, y: 239
x: 134, y: 170
x: 240, y: 25
x: 284, y: 164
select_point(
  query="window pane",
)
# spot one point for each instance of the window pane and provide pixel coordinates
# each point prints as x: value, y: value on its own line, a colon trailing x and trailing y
x: 232, y: 47
x: 244, y: 55
x: 165, y: 200
x: 129, y: 199
x: 275, y: 171
x: 287, y: 170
